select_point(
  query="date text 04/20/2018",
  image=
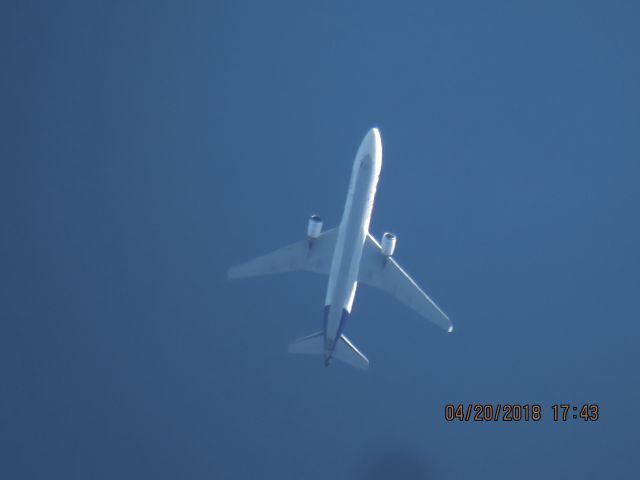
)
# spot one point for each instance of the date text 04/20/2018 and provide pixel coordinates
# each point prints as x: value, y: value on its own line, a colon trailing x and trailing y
x: 515, y: 412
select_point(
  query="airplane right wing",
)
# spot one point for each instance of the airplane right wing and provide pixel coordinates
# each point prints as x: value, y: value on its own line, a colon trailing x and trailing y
x: 384, y: 273
x: 311, y: 256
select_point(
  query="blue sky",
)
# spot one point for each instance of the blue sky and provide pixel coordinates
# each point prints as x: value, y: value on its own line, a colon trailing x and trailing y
x: 148, y: 147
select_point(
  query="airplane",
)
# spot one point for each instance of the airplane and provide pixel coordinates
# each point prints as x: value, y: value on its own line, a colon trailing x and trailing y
x: 350, y: 255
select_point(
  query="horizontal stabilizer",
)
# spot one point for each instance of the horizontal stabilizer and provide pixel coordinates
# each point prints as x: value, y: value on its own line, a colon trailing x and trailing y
x: 346, y: 352
x: 311, y: 344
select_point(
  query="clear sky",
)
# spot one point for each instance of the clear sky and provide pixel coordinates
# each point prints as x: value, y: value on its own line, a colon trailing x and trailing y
x: 145, y: 147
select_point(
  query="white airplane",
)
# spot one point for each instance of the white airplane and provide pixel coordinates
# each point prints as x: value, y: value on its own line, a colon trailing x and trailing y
x: 349, y: 255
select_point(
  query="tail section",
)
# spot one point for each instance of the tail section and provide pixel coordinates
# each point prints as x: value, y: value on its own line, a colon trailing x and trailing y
x: 344, y: 350
x: 347, y: 352
x: 310, y: 345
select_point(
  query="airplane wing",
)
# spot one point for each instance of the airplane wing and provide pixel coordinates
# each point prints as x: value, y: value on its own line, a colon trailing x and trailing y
x: 311, y: 256
x: 384, y: 273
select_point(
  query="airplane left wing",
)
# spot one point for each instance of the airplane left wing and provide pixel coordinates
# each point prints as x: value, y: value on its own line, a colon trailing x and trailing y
x: 384, y: 273
x: 311, y: 256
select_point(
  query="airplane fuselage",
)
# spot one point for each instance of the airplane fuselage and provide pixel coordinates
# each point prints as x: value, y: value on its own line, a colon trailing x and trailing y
x: 352, y: 233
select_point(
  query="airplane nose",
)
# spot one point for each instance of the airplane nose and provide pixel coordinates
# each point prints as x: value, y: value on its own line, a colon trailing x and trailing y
x: 371, y: 148
x: 371, y: 142
x: 372, y: 139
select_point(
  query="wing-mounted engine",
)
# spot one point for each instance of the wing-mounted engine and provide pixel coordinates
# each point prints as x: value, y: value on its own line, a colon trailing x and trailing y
x: 314, y: 228
x: 388, y: 244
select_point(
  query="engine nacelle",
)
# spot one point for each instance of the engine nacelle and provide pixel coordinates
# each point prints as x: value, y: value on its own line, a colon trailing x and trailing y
x: 314, y: 229
x: 388, y: 244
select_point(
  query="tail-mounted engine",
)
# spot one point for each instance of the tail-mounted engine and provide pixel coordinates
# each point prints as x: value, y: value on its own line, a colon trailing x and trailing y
x: 388, y: 244
x: 314, y: 229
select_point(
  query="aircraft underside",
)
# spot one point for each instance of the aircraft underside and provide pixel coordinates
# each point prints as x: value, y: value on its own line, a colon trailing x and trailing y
x: 350, y: 256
